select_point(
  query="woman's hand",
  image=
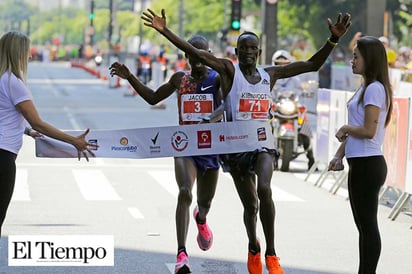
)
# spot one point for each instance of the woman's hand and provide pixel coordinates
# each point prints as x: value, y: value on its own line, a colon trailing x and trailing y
x: 341, y: 26
x: 342, y: 134
x: 336, y: 164
x: 83, y: 146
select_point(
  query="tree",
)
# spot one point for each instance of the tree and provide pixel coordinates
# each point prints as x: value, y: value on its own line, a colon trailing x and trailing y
x: 13, y: 13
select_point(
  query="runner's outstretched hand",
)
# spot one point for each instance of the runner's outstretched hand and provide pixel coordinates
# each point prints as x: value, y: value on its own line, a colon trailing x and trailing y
x: 154, y: 21
x: 341, y: 26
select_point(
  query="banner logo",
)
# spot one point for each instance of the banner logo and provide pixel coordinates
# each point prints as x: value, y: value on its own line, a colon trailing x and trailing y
x: 124, y: 142
x: 154, y: 139
x: 179, y: 141
x: 93, y: 141
x: 61, y: 250
x: 154, y: 148
x: 204, y: 139
x: 261, y: 133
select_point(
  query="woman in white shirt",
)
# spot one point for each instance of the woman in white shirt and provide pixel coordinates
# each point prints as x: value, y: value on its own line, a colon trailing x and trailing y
x: 17, y: 107
x: 369, y: 112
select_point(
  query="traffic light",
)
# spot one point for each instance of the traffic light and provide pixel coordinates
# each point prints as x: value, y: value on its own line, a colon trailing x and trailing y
x: 236, y: 14
x: 91, y: 15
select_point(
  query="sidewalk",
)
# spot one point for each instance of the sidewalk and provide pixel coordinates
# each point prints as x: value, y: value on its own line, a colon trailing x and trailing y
x: 332, y: 227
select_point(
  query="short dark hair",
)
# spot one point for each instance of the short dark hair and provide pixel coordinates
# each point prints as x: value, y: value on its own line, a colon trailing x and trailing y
x: 247, y: 33
x: 199, y: 41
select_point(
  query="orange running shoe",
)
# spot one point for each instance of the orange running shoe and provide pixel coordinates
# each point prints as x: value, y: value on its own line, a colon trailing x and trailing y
x: 273, y: 266
x: 254, y: 263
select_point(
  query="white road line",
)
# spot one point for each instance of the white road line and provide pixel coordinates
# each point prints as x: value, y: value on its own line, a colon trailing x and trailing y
x: 135, y: 213
x: 72, y: 120
x: 66, y: 81
x: 95, y: 164
x: 278, y: 194
x: 167, y: 180
x: 94, y: 185
x: 21, y: 188
x: 170, y: 267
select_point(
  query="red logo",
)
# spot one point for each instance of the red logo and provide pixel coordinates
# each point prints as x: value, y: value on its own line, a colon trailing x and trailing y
x: 204, y: 139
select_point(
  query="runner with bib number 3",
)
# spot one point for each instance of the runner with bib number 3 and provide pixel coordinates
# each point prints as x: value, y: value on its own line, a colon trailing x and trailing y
x: 198, y: 96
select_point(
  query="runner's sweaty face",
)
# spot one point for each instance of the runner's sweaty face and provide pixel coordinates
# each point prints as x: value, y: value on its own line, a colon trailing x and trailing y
x: 248, y: 49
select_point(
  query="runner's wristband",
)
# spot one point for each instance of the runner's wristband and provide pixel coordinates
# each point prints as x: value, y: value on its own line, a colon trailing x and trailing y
x: 334, y: 39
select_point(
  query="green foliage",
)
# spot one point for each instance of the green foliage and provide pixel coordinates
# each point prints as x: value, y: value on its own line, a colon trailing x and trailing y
x: 70, y: 26
x: 296, y: 18
x: 205, y: 18
x: 13, y: 13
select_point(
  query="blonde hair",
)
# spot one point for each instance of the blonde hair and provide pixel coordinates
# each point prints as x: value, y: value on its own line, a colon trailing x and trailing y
x: 14, y: 54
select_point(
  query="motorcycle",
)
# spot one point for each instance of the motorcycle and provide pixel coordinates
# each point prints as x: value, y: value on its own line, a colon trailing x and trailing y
x: 290, y: 128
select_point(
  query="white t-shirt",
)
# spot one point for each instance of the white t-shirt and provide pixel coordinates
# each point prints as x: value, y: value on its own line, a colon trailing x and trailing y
x: 12, y: 123
x: 356, y: 147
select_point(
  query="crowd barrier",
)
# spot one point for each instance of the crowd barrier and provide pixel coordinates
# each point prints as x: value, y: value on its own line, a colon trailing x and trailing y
x: 397, y: 148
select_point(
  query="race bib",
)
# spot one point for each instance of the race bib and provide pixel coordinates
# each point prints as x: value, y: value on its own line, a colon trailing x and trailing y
x: 253, y: 106
x: 196, y: 106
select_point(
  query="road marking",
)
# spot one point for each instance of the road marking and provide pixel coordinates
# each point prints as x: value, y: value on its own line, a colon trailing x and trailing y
x: 278, y: 194
x: 94, y: 185
x: 72, y: 120
x: 166, y: 179
x: 21, y: 188
x: 94, y: 163
x: 135, y: 213
x: 171, y: 267
x: 65, y: 81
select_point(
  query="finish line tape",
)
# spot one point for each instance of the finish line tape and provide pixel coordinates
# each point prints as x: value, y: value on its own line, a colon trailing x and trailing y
x: 172, y: 141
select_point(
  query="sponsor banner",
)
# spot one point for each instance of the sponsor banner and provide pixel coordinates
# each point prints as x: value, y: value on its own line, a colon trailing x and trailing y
x: 323, y: 122
x: 395, y: 147
x: 61, y: 250
x: 186, y: 140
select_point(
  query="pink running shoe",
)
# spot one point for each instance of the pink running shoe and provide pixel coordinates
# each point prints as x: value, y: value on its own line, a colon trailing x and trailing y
x: 182, y: 264
x: 205, y: 235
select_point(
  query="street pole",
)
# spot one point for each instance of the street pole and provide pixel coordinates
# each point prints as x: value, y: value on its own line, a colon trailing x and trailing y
x: 181, y: 18
x: 91, y: 29
x: 142, y: 8
x: 112, y: 21
x: 269, y: 34
x: 375, y: 14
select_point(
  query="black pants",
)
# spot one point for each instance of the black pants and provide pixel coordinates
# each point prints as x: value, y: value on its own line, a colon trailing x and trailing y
x: 366, y: 177
x: 305, y: 141
x: 7, y: 180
